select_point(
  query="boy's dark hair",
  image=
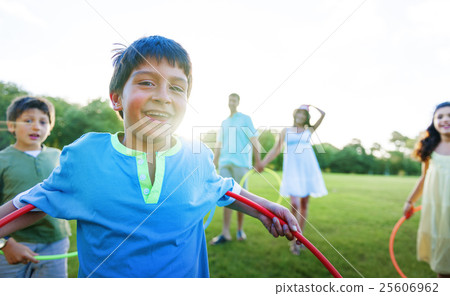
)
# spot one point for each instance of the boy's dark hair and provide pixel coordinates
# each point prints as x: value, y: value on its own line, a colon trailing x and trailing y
x: 430, y: 139
x: 21, y: 104
x: 236, y: 96
x: 126, y: 59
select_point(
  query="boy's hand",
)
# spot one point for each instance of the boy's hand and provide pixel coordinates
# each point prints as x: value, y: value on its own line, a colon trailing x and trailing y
x: 18, y: 253
x: 274, y: 226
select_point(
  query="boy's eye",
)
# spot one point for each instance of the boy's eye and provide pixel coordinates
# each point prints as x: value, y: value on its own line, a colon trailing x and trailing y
x: 177, y: 88
x: 146, y: 83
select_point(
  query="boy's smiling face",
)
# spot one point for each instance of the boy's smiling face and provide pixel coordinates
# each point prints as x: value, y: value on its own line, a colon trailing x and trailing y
x: 155, y: 93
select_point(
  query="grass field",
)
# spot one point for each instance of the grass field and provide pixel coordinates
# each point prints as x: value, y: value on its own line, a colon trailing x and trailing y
x: 350, y: 226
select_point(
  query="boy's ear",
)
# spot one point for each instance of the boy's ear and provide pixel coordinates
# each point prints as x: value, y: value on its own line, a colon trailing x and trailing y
x: 116, y: 101
x: 11, y: 126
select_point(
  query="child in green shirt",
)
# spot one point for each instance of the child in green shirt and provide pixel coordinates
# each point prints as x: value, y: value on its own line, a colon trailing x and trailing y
x: 22, y: 165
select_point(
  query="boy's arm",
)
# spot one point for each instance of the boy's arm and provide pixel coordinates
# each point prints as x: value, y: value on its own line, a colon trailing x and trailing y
x: 18, y: 253
x: 19, y: 223
x: 274, y: 227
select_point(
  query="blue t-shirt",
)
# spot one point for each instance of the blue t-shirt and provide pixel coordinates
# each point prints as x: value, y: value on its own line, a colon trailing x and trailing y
x: 127, y: 226
x: 235, y: 135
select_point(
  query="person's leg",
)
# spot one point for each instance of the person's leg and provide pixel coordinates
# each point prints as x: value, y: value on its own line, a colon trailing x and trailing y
x: 238, y: 173
x: 295, y: 207
x: 304, y: 202
x: 226, y: 223
x: 295, y: 210
x: 52, y: 268
x: 12, y: 270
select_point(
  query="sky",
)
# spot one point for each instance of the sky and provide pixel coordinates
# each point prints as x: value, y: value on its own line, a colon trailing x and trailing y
x: 373, y: 66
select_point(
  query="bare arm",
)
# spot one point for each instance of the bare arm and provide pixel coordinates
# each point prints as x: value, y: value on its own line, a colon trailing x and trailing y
x: 256, y: 153
x: 273, y: 226
x: 319, y: 121
x: 417, y: 191
x: 276, y: 149
x: 19, y: 223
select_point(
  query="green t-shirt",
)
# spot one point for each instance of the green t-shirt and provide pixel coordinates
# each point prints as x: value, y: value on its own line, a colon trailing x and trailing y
x: 18, y: 173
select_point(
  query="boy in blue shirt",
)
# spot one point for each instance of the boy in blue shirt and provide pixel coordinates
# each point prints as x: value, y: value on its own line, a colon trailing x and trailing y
x: 139, y: 197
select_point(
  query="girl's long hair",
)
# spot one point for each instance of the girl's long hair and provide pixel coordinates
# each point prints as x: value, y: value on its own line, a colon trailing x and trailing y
x: 430, y: 139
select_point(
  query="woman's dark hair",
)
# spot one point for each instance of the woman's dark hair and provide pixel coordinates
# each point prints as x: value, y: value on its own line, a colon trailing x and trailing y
x: 308, y: 116
x: 430, y: 139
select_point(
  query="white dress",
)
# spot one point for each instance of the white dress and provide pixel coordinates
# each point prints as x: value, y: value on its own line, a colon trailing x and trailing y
x: 301, y: 171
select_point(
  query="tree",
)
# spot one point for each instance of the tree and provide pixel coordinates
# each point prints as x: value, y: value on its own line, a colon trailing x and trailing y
x: 327, y: 157
x: 402, y: 143
x: 352, y: 159
x: 8, y: 92
x: 71, y: 120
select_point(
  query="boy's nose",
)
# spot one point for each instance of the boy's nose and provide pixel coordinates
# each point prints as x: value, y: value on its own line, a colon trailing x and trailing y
x: 35, y: 126
x: 162, y: 95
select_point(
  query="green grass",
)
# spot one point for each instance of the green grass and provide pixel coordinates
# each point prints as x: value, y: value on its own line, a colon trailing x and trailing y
x: 350, y: 226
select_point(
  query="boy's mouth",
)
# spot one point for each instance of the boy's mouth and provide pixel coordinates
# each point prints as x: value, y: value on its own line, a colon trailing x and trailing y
x: 34, y: 136
x: 158, y: 115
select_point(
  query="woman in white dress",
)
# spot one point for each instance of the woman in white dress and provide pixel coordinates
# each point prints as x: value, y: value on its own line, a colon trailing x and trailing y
x: 302, y: 176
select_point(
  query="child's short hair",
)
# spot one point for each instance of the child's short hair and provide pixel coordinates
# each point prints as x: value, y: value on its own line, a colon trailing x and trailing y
x: 21, y: 104
x: 126, y: 59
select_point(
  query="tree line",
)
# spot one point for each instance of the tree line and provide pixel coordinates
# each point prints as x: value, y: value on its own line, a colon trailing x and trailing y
x: 73, y: 120
x: 352, y: 158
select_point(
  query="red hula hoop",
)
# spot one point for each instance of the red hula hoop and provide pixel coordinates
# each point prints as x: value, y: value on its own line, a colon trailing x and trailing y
x: 392, y: 238
x: 5, y: 220
x: 16, y: 214
x: 297, y: 234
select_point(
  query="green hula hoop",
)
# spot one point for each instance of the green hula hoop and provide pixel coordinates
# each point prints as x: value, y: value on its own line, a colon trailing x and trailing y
x: 275, y: 175
x: 53, y: 257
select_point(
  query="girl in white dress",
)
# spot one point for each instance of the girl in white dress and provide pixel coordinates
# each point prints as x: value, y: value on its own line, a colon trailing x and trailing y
x: 302, y: 177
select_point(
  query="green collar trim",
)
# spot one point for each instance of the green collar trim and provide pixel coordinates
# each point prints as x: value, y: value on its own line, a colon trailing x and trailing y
x: 130, y: 152
x: 150, y: 192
